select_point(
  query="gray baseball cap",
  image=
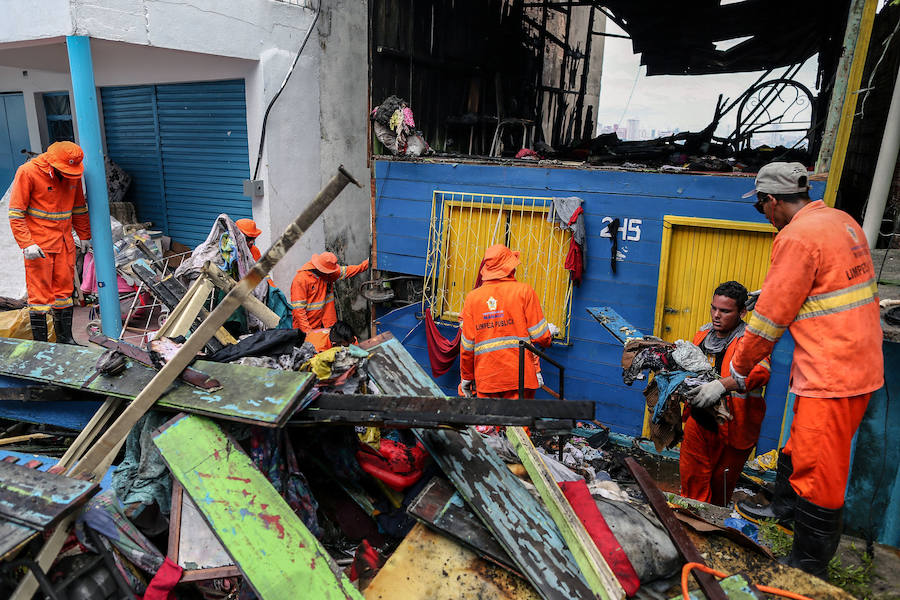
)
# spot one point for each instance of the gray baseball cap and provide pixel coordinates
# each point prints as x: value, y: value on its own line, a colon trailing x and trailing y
x: 781, y: 178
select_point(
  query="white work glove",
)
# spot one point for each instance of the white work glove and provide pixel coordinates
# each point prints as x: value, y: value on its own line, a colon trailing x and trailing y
x: 540, y: 380
x: 465, y: 386
x: 33, y: 251
x: 707, y: 394
x: 554, y: 330
x: 752, y: 297
x: 84, y: 245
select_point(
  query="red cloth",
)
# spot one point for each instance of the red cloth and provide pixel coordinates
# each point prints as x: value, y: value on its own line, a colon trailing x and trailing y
x: 586, y: 508
x: 164, y: 582
x: 575, y: 258
x: 442, y: 352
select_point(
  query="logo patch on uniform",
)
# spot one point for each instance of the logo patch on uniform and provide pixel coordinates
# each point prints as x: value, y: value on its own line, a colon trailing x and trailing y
x: 492, y: 303
x: 852, y: 233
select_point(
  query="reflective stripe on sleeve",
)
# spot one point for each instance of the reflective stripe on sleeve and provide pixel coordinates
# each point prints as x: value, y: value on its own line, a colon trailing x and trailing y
x: 501, y: 343
x: 764, y: 327
x: 467, y: 344
x: 538, y: 329
x: 839, y: 300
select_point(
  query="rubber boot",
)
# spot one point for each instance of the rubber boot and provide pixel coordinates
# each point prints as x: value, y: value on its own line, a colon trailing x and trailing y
x: 784, y: 499
x: 62, y: 322
x: 38, y: 325
x: 817, y: 533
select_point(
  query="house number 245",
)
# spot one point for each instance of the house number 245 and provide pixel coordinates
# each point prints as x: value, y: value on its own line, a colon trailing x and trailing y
x: 630, y: 229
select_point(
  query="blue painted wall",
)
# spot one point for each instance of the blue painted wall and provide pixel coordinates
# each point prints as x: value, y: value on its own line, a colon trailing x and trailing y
x: 403, y: 209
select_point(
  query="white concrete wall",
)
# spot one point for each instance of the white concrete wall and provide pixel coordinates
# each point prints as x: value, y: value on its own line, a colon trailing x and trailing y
x: 318, y: 122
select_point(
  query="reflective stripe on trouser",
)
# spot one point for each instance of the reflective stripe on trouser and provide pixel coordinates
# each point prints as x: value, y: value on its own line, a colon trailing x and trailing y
x: 709, y: 468
x: 819, y: 446
x: 50, y: 280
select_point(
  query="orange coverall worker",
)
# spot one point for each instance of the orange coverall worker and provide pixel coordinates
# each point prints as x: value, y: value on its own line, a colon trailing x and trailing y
x: 46, y: 202
x: 711, y: 461
x: 821, y: 285
x: 495, y: 317
x: 312, y: 294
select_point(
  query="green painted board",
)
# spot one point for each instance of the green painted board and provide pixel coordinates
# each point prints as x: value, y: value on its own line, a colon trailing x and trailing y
x: 273, y: 549
x: 254, y: 395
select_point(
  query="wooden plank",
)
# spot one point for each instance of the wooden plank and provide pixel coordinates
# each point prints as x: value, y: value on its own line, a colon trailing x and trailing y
x: 254, y: 306
x: 249, y: 394
x: 37, y: 499
x: 429, y: 566
x: 24, y: 438
x: 80, y: 444
x: 440, y: 507
x: 192, y: 545
x: 274, y: 550
x: 593, y: 566
x: 613, y: 323
x: 45, y: 557
x: 686, y: 548
x: 518, y: 521
x: 316, y: 416
x: 12, y: 537
x: 188, y: 352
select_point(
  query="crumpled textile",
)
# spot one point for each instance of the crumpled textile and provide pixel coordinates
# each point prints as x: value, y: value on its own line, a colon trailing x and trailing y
x: 334, y: 361
x: 272, y: 342
x: 569, y: 213
x: 656, y: 357
x: 284, y: 362
x: 143, y: 476
x: 163, y: 584
x: 209, y: 250
x: 272, y: 453
x: 442, y: 353
x: 690, y: 357
x: 575, y: 258
x: 667, y: 382
x: 103, y: 513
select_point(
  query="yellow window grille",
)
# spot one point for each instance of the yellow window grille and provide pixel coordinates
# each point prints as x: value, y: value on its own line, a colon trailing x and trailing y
x: 464, y: 225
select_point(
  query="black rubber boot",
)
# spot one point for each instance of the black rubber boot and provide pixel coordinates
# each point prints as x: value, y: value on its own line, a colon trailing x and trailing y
x: 817, y: 533
x: 62, y: 322
x: 784, y: 499
x: 38, y: 325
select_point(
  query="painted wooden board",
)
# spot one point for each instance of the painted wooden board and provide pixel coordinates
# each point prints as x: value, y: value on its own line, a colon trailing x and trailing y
x: 593, y: 566
x: 440, y: 507
x: 192, y: 544
x: 249, y: 394
x: 518, y: 522
x: 36, y: 499
x: 613, y: 323
x: 274, y: 550
x: 429, y: 566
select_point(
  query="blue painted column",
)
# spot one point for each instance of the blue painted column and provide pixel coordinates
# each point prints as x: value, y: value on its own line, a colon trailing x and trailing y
x: 87, y: 113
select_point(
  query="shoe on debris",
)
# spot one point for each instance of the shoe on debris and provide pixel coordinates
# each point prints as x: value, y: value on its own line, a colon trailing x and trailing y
x: 784, y: 501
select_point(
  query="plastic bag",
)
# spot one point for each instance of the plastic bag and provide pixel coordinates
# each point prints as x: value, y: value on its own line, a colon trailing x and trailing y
x: 17, y: 324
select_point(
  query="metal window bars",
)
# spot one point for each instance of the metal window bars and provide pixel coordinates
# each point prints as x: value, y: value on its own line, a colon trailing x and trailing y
x: 463, y: 225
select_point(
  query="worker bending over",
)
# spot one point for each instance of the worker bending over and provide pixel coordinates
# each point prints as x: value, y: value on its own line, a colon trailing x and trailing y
x: 821, y: 285
x: 46, y: 201
x: 713, y: 455
x: 495, y: 317
x: 312, y: 293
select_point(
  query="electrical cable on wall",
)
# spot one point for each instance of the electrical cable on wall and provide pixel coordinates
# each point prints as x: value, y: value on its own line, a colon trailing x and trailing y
x: 262, y: 134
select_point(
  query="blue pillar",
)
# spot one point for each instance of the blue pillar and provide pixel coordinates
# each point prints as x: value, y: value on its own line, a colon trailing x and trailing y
x: 87, y: 113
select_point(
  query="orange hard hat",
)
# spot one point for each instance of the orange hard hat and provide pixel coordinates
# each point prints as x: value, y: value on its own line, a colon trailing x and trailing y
x: 248, y: 227
x: 66, y: 157
x: 499, y: 262
x: 326, y: 263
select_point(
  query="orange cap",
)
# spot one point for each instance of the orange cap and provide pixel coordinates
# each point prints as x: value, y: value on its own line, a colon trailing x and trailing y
x: 248, y: 227
x: 499, y: 262
x: 66, y: 157
x: 326, y: 263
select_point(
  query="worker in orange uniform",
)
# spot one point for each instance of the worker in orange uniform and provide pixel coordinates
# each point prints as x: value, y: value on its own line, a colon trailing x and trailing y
x: 46, y: 202
x: 312, y: 293
x: 712, y: 455
x: 495, y: 317
x: 251, y: 232
x: 820, y: 285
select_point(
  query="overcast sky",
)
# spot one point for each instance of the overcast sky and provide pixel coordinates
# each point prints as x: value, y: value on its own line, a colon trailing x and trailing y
x: 663, y: 101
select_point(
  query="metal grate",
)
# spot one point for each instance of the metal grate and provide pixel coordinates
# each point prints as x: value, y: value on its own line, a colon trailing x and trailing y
x: 464, y: 225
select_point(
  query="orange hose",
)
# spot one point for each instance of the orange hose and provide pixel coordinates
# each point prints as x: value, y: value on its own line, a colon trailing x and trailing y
x: 686, y: 571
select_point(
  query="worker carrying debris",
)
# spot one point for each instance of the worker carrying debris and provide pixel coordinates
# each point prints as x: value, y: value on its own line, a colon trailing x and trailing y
x: 495, y: 317
x: 821, y: 284
x: 46, y: 202
x: 712, y: 454
x: 312, y: 293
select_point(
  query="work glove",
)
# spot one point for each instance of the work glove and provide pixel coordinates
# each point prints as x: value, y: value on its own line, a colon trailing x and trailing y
x: 465, y: 386
x: 554, y: 330
x: 33, y: 251
x: 707, y: 394
x: 752, y: 297
x: 540, y: 380
x: 84, y: 245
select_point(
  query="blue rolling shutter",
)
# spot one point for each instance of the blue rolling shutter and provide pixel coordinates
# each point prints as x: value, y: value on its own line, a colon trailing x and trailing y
x: 200, y: 137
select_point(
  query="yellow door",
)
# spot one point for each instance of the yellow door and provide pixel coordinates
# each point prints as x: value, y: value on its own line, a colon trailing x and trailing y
x: 697, y: 255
